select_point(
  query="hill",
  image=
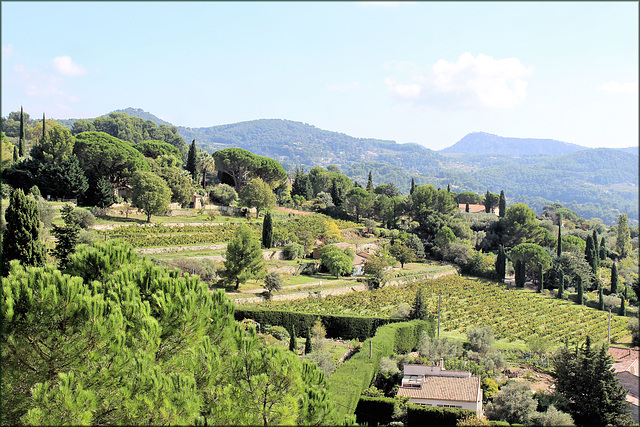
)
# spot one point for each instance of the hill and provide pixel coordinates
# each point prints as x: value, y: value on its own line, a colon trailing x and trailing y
x: 486, y: 143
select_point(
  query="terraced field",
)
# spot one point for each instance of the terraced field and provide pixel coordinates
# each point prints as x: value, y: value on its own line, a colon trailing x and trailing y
x: 513, y: 314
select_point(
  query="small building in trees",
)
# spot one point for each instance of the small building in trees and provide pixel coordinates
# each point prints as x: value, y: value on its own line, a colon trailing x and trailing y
x: 626, y: 367
x: 474, y: 208
x: 436, y: 386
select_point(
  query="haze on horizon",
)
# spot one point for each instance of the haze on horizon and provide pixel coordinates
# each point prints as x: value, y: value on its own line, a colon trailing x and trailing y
x: 424, y: 72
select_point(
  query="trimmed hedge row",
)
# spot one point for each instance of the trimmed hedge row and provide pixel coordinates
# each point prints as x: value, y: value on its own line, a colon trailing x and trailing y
x: 343, y: 327
x: 422, y: 415
x: 375, y: 410
x: 357, y: 373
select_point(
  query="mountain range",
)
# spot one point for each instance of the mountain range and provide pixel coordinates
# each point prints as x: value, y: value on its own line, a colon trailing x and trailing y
x: 599, y: 182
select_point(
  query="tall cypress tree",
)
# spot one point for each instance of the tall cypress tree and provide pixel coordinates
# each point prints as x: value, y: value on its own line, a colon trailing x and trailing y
x: 369, y: 183
x: 419, y: 310
x: 588, y: 252
x: 623, y: 303
x: 44, y: 126
x: 67, y: 236
x: 487, y: 202
x: 448, y: 189
x: 603, y: 249
x: 192, y: 160
x: 600, y: 295
x: 580, y: 290
x: 308, y: 347
x: 520, y: 273
x: 466, y: 207
x: 413, y: 186
x: 501, y: 264
x: 614, y: 278
x: 623, y: 242
x: 292, y: 340
x: 21, y: 239
x: 15, y: 154
x: 561, y: 285
x: 559, y: 248
x: 21, y: 135
x: 596, y: 253
x: 267, y: 231
x: 502, y: 205
x: 540, y: 278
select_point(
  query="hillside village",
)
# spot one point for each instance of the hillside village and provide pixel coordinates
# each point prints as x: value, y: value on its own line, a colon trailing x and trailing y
x: 148, y: 281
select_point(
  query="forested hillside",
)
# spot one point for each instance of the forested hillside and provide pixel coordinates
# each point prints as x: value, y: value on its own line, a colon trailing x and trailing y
x: 593, y: 182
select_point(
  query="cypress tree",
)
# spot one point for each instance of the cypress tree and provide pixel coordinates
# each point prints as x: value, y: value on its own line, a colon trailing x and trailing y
x: 44, y: 123
x: 15, y: 154
x: 308, y: 347
x: 502, y: 209
x: 501, y: 264
x: 448, y: 189
x: 600, y: 296
x: 623, y: 303
x: 21, y: 239
x: 487, y: 204
x: 267, y: 231
x: 67, y: 236
x: 466, y: 208
x: 413, y: 186
x: 419, y: 307
x: 561, y: 286
x: 596, y: 253
x: 559, y: 248
x: 520, y: 274
x: 623, y: 242
x: 292, y: 340
x: 603, y: 249
x: 588, y: 252
x: 614, y: 278
x: 21, y: 135
x: 540, y: 278
x: 192, y: 160
x: 369, y: 183
x: 580, y: 290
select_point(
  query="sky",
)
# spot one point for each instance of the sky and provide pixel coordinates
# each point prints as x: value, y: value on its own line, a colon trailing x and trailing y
x: 422, y: 72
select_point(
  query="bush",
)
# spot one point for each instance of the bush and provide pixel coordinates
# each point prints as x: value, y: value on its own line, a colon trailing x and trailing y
x: 422, y: 415
x: 403, y: 310
x: 272, y: 282
x: 98, y: 212
x: 293, y: 251
x: 83, y: 218
x: 278, y: 332
x: 46, y: 211
x: 223, y: 194
x: 6, y: 190
x: 375, y: 410
x: 323, y: 360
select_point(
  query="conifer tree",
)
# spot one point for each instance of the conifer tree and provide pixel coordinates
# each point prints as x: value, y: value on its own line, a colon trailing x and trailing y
x: 502, y: 205
x: 413, y: 186
x: 614, y: 279
x: 559, y: 245
x: 308, y: 189
x: 600, y: 295
x: 448, y: 189
x: 540, y: 278
x: 588, y: 251
x: 292, y: 340
x: 561, y: 286
x: 501, y: 264
x: 623, y: 242
x: 596, y: 253
x: 244, y: 257
x: 44, y: 126
x: 466, y: 207
x: 369, y: 183
x: 419, y: 310
x: 580, y: 290
x: 192, y: 159
x: 308, y: 347
x: 603, y: 249
x: 21, y: 135
x: 520, y: 270
x: 66, y: 236
x: 15, y: 154
x: 487, y: 202
x: 623, y: 303
x: 21, y: 239
x: 267, y: 231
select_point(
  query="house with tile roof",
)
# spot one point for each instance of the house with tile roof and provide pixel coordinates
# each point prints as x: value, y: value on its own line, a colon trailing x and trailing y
x: 626, y: 368
x: 436, y: 386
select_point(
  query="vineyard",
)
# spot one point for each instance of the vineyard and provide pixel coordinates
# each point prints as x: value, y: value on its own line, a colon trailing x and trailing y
x: 513, y: 314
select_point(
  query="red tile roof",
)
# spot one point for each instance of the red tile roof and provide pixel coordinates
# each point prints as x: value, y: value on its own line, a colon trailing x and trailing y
x: 445, y: 388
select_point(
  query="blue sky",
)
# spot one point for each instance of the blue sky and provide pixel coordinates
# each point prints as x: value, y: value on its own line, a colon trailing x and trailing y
x: 424, y: 72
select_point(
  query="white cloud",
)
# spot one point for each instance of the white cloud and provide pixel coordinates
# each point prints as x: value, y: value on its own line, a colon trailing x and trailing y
x: 617, y: 87
x: 65, y: 66
x: 471, y: 81
x: 347, y: 87
x: 7, y: 51
x: 42, y: 86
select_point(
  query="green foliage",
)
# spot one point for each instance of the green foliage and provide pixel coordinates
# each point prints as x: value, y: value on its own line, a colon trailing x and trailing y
x: 614, y: 278
x: 243, y: 257
x: 438, y: 348
x: 501, y: 264
x: 444, y: 237
x: 21, y: 240
x: 100, y: 192
x: 155, y: 149
x: 423, y: 415
x: 239, y: 166
x: 272, y: 282
x: 358, y: 202
x: 55, y: 147
x: 513, y: 404
x: 150, y: 193
x: 67, y: 236
x: 179, y: 183
x: 531, y: 254
x: 224, y: 194
x: 336, y: 260
x: 267, y: 231
x: 191, y: 160
x: 401, y: 253
x: 257, y: 194
x: 419, y: 309
x: 585, y: 378
x: 293, y: 251
x: 520, y: 226
x: 375, y: 410
x: 623, y: 242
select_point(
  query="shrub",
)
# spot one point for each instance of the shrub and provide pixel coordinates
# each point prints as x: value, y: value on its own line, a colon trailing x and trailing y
x: 83, y: 218
x: 272, y: 282
x: 403, y: 310
x: 293, y: 251
x: 223, y: 194
x: 375, y: 410
x: 46, y: 211
x: 422, y: 415
x: 278, y: 332
x: 6, y: 191
x: 323, y: 360
x: 98, y: 212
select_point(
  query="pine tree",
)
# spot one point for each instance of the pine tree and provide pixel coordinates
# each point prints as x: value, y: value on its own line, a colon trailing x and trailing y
x: 243, y: 258
x: 267, y: 231
x: 369, y: 183
x: 21, y: 135
x: 293, y: 346
x: 502, y: 205
x: 413, y: 186
x: 580, y: 290
x: 561, y: 286
x: 192, y: 158
x: 623, y: 302
x: 614, y: 279
x: 308, y: 347
x: 559, y: 246
x: 501, y: 264
x: 21, y: 239
x: 308, y: 189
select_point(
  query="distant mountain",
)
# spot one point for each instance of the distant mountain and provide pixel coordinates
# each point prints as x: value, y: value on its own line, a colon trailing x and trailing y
x: 632, y: 150
x: 140, y: 113
x: 486, y: 143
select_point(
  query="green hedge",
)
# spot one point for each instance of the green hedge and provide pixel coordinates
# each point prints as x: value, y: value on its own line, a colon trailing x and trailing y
x: 499, y: 423
x: 357, y: 373
x: 422, y: 415
x: 344, y: 327
x: 375, y: 410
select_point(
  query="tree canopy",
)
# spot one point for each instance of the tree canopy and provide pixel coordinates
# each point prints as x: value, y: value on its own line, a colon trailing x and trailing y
x: 150, y: 193
x: 240, y: 166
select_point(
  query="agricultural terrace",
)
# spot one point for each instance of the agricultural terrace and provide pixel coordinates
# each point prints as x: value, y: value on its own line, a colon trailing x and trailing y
x: 514, y: 315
